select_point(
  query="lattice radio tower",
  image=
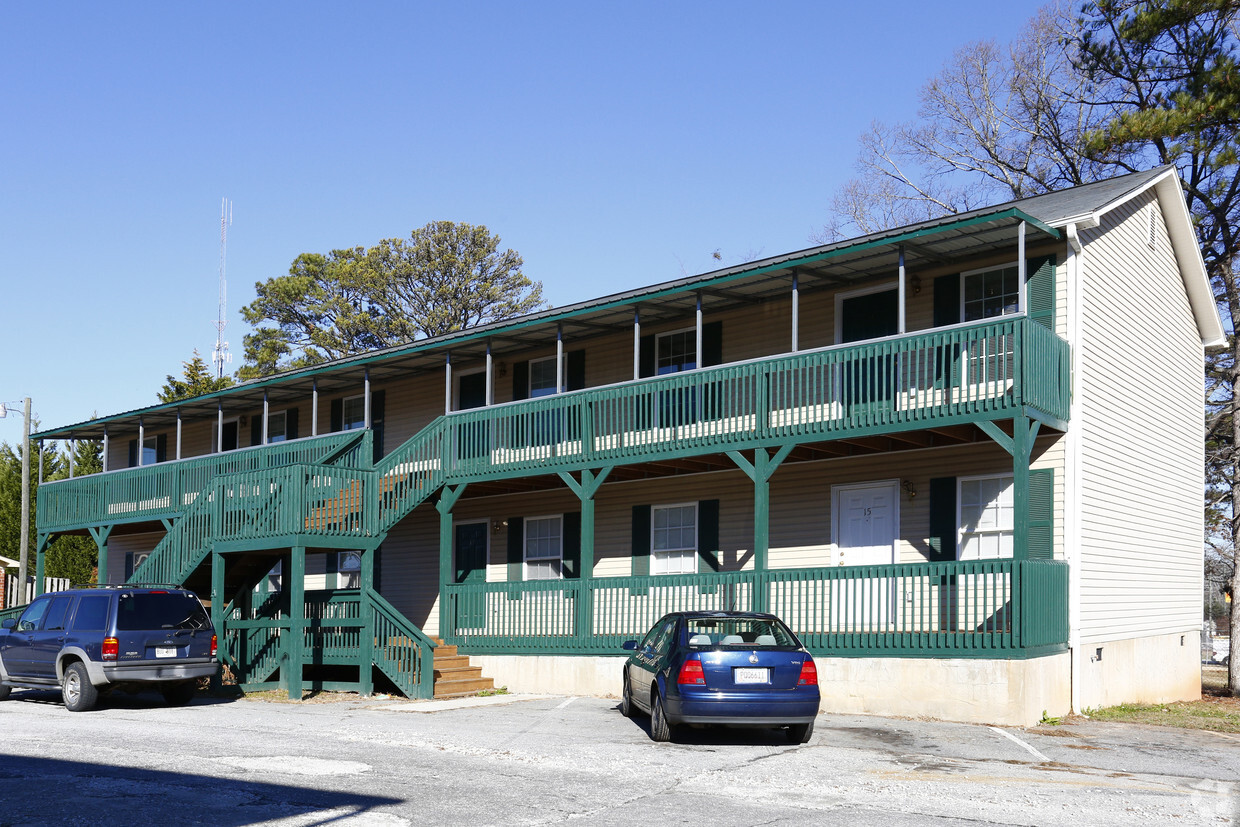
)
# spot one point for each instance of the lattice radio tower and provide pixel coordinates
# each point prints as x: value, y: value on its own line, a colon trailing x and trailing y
x: 220, y: 356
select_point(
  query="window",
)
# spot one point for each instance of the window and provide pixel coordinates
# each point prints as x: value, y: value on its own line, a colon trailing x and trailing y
x: 544, y: 548
x: 150, y: 450
x: 676, y: 351
x: 674, y: 539
x: 33, y: 616
x: 986, y: 526
x: 277, y: 426
x: 354, y: 410
x: 348, y: 569
x: 92, y: 613
x: 542, y: 377
x: 989, y: 293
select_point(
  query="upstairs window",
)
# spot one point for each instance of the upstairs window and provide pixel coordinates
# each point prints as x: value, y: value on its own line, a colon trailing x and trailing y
x: 986, y: 294
x: 676, y: 351
x: 277, y: 426
x: 354, y: 413
x: 542, y: 377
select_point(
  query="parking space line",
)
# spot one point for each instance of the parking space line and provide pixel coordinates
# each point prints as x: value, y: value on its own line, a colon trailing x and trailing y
x: 567, y: 702
x: 1014, y: 739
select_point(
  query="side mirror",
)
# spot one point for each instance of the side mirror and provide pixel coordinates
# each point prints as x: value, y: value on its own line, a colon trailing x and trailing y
x: 628, y: 645
x: 9, y: 623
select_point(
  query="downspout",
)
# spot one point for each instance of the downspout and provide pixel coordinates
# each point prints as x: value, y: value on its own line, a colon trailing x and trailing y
x: 1072, y: 465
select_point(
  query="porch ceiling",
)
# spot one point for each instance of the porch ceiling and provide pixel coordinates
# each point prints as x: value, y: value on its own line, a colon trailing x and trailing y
x: 956, y: 239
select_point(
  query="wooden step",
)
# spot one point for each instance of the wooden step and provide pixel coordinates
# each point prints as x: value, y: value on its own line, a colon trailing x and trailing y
x: 453, y: 688
x: 458, y: 672
x: 451, y: 661
x: 444, y: 651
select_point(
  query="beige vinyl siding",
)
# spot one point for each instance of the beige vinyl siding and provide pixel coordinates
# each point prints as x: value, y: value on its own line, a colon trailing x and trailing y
x: 121, y: 544
x: 1140, y: 392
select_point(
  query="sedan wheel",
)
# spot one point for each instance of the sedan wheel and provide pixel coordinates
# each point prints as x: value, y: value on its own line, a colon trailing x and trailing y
x: 626, y: 699
x: 660, y: 729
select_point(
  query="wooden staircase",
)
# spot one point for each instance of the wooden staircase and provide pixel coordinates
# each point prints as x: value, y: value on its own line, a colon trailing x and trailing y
x: 455, y: 675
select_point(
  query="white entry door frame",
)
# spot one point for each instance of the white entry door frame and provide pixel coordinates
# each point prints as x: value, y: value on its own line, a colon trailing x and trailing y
x: 865, y: 523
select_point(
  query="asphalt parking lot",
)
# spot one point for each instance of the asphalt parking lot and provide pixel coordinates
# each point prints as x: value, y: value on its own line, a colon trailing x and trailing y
x: 547, y: 760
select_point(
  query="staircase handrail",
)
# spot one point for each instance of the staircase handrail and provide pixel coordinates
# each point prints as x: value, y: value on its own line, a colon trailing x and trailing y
x: 425, y: 647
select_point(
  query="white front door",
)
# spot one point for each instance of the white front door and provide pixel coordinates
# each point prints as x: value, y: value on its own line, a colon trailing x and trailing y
x: 866, y: 523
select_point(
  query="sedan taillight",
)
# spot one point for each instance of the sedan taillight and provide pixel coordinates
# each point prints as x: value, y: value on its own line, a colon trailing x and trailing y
x: 809, y: 673
x: 215, y: 642
x: 111, y: 648
x: 691, y: 673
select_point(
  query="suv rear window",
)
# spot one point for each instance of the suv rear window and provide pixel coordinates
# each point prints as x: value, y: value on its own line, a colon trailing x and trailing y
x: 92, y: 613
x: 146, y: 610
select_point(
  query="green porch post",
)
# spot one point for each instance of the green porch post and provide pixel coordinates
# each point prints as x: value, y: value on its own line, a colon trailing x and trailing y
x: 366, y: 613
x: 100, y: 536
x: 760, y: 471
x: 40, y: 556
x: 217, y: 609
x: 1020, y: 446
x: 297, y: 621
x: 447, y: 499
x: 585, y: 490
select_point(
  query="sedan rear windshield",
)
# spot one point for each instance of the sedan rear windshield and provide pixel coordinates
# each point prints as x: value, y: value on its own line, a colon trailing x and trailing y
x: 750, y: 632
x: 145, y: 610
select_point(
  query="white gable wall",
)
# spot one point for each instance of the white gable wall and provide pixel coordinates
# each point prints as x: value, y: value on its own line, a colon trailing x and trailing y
x: 1140, y: 416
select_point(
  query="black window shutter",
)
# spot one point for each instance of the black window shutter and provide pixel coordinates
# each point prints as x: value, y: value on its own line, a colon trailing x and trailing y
x: 942, y: 540
x: 133, y: 453
x: 337, y: 414
x: 712, y: 344
x: 521, y: 380
x: 646, y: 356
x: 516, y: 548
x: 1041, y: 514
x: 708, y: 536
x: 256, y: 429
x: 571, y: 539
x: 376, y: 568
x: 575, y: 370
x: 641, y: 540
x: 161, y: 448
x: 290, y: 423
x: 947, y: 300
x: 378, y: 399
x: 128, y: 566
x: 1041, y: 290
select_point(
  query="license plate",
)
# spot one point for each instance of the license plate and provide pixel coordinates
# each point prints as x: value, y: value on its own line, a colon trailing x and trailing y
x: 750, y: 675
x: 165, y: 651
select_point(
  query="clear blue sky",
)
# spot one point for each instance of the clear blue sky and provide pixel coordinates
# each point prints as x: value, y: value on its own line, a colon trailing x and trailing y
x: 612, y: 144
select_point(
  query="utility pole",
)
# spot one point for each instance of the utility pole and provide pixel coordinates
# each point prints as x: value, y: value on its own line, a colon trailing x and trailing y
x: 23, y: 562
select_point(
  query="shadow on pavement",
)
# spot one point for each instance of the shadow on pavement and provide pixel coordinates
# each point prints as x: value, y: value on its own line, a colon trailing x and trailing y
x: 52, y: 791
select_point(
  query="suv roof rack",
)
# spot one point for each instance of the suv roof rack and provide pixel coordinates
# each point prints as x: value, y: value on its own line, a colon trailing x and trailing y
x: 127, y: 586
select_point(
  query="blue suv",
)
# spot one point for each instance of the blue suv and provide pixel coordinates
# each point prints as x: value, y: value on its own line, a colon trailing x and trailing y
x: 91, y: 641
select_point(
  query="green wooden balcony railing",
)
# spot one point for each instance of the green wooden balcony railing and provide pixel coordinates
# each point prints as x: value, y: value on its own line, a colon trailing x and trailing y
x: 983, y: 608
x: 170, y: 488
x: 943, y: 376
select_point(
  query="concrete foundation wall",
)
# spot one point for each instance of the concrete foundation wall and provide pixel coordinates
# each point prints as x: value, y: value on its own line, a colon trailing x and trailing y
x: 1156, y: 669
x: 1014, y: 693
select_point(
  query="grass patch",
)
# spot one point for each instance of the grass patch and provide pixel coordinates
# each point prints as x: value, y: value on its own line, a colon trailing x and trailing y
x: 1216, y: 710
x: 486, y: 693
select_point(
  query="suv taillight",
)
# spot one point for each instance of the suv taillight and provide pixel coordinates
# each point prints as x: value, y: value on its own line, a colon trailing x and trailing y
x: 691, y: 673
x: 111, y: 648
x: 215, y: 642
x: 809, y: 673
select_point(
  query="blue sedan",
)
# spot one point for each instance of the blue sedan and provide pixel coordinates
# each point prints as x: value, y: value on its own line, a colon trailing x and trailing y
x: 729, y: 668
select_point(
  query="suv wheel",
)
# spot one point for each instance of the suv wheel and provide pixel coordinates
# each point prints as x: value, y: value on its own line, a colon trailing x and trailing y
x: 77, y: 690
x: 179, y: 693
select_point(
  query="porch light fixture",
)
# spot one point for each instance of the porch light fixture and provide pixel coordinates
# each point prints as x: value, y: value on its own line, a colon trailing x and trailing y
x: 915, y: 283
x: 498, y: 525
x: 910, y: 489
